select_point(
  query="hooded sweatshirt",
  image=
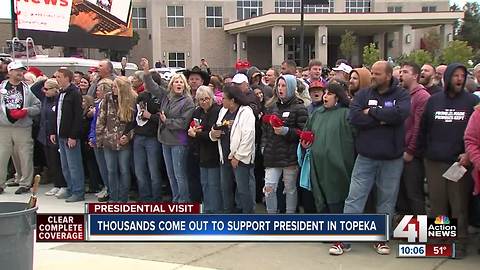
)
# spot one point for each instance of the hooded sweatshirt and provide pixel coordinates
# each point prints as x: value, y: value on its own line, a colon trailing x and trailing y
x: 445, y: 120
x: 29, y: 102
x: 266, y: 90
x: 280, y: 150
x: 419, y: 97
x: 364, y: 78
x: 381, y: 132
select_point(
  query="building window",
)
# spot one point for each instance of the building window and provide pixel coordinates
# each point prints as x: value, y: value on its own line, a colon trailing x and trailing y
x: 358, y: 6
x: 294, y: 6
x: 139, y: 17
x: 394, y: 9
x: 175, y: 16
x: 176, y: 59
x: 214, y: 17
x: 248, y: 9
x: 429, y: 8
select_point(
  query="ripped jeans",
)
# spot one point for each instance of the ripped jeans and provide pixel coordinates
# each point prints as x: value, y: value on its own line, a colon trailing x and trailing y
x: 272, y: 176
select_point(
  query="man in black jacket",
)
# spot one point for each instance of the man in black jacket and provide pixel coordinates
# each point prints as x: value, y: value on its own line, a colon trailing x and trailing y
x: 441, y: 142
x: 379, y: 114
x: 66, y: 130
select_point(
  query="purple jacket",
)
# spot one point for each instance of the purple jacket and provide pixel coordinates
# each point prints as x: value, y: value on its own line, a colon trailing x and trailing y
x: 92, y: 134
x: 418, y: 99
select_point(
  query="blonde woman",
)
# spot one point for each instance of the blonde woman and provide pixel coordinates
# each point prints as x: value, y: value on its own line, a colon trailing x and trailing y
x: 116, y: 113
x: 176, y: 111
x: 104, y: 86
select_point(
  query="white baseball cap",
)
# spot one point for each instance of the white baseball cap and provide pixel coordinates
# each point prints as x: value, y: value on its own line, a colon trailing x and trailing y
x: 15, y: 65
x: 343, y: 67
x: 240, y: 78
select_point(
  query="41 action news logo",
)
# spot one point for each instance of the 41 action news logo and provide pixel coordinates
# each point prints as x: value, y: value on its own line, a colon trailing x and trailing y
x: 417, y: 228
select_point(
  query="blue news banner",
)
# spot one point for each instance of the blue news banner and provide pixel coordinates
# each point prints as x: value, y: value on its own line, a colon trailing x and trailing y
x: 202, y: 227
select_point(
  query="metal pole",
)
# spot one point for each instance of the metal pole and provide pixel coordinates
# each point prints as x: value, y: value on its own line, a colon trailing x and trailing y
x: 14, y: 39
x: 13, y: 18
x: 302, y: 34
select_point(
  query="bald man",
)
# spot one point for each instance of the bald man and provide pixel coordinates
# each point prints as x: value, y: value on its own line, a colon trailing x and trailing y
x: 105, y: 70
x: 378, y: 113
x: 440, y: 70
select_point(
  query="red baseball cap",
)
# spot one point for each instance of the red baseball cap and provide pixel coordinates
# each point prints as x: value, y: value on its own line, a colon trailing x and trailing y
x: 316, y: 85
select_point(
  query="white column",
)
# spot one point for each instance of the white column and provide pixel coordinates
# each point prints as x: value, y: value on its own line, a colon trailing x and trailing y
x: 321, y: 42
x: 278, y: 45
x: 446, y: 35
x: 407, y: 39
x: 157, y: 51
x: 242, y: 46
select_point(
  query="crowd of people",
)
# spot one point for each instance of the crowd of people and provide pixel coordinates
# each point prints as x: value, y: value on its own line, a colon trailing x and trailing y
x: 345, y: 140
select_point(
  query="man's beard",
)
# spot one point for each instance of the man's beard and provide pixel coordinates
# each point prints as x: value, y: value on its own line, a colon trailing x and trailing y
x: 425, y: 80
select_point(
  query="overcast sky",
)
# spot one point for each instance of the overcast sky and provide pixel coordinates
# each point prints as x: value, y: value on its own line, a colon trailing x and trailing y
x: 5, y: 12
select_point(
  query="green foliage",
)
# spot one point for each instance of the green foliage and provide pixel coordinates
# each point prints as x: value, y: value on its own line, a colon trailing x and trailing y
x: 419, y: 57
x: 371, y: 54
x: 348, y: 44
x: 457, y: 51
x: 469, y: 30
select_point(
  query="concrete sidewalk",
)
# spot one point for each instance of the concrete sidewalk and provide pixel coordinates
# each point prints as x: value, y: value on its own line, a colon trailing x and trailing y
x: 118, y: 256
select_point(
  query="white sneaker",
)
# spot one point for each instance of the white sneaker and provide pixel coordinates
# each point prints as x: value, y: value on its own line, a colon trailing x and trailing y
x: 52, y: 191
x: 102, y: 193
x: 382, y: 248
x: 62, y: 193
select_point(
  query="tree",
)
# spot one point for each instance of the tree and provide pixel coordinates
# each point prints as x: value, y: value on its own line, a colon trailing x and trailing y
x: 371, y: 54
x: 419, y: 57
x: 348, y: 44
x: 476, y: 57
x: 116, y: 55
x: 469, y: 30
x: 432, y: 42
x: 457, y: 51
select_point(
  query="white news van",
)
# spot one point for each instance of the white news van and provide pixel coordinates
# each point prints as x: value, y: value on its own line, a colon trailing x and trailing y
x: 48, y: 65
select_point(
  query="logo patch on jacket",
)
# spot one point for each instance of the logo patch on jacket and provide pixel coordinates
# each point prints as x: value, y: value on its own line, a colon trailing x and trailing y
x: 450, y: 115
x: 389, y: 104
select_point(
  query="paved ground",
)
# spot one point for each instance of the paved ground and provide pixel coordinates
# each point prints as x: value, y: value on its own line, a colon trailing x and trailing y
x: 119, y: 256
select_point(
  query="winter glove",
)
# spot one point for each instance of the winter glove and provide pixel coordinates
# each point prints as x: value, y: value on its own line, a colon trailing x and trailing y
x: 18, y: 113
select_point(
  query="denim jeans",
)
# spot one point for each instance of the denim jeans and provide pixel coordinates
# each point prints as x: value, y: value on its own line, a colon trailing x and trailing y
x: 146, y: 151
x: 72, y: 167
x: 385, y: 174
x: 212, y: 195
x: 102, y: 164
x: 272, y: 176
x: 118, y: 166
x: 176, y: 160
x: 244, y: 192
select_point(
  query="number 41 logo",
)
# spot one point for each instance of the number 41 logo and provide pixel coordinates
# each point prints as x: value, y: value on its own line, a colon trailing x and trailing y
x: 412, y: 228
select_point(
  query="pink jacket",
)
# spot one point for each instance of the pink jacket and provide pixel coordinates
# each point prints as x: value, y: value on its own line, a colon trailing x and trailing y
x: 218, y: 96
x: 418, y: 98
x: 472, y: 145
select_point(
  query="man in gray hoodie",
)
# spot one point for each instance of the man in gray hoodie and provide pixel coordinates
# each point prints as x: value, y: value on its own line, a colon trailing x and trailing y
x: 17, y: 107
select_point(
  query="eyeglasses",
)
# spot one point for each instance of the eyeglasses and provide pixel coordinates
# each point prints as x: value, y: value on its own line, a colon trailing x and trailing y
x: 206, y: 99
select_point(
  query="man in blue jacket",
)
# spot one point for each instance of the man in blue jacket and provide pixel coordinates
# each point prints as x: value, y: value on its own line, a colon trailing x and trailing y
x: 441, y: 142
x: 378, y: 114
